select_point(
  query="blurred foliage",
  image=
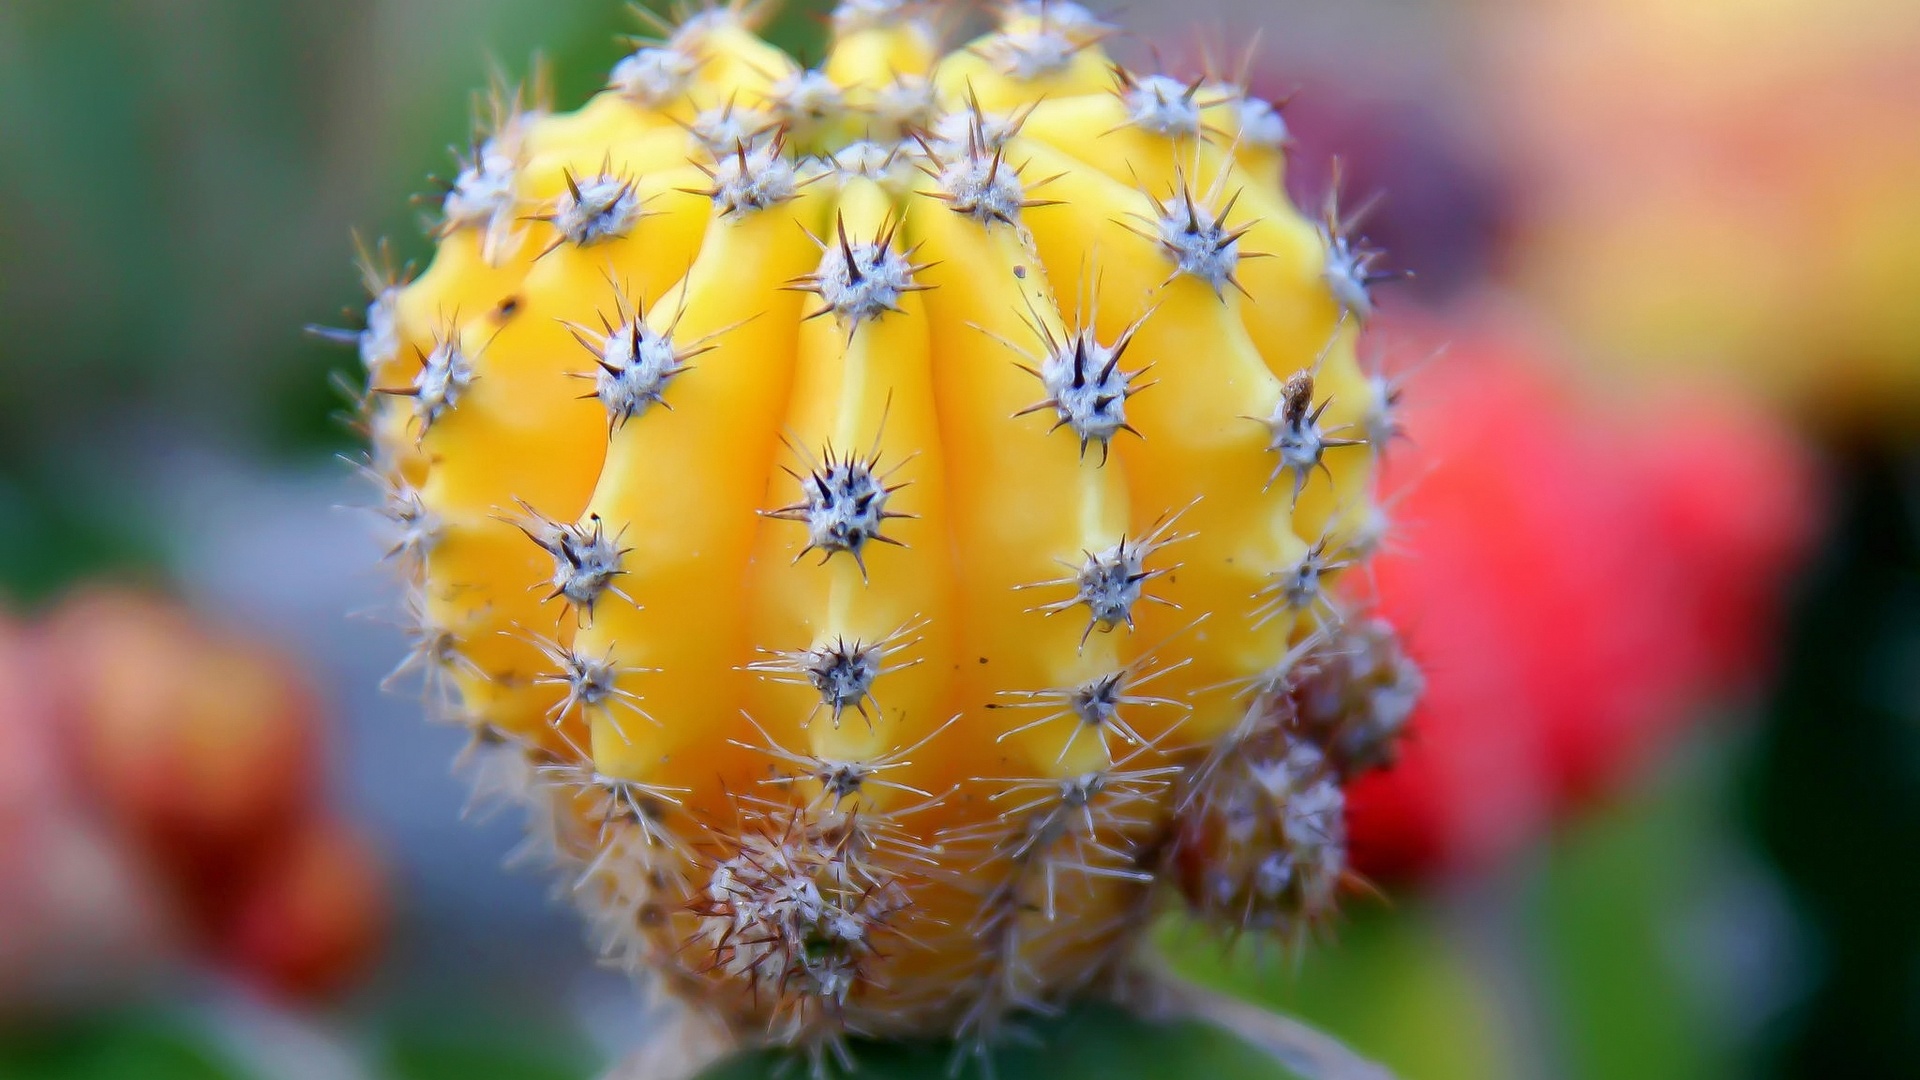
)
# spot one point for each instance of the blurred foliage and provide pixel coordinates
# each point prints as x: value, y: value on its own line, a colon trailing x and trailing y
x: 1609, y: 905
x: 196, y: 171
x: 51, y: 535
x: 417, y: 1055
x: 1388, y: 984
x: 462, y: 1033
x: 123, y: 1047
x: 1835, y: 789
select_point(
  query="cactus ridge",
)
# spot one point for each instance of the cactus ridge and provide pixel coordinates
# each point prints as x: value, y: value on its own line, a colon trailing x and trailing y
x: 884, y: 521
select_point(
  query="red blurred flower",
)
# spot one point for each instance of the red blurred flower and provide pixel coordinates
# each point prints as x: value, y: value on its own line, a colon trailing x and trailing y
x: 160, y: 794
x: 196, y: 741
x: 1582, y: 577
x: 310, y: 915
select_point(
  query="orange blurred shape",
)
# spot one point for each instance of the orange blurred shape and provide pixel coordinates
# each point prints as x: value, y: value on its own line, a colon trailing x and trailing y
x: 197, y: 753
x: 193, y: 737
x: 314, y: 915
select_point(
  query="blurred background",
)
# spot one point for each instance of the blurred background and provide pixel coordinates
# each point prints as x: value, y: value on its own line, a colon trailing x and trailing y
x: 1660, y: 817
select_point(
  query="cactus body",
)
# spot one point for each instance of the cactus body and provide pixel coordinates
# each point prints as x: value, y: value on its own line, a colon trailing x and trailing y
x: 881, y: 512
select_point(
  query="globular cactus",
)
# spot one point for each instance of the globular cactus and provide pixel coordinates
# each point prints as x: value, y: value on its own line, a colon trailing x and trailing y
x: 882, y: 517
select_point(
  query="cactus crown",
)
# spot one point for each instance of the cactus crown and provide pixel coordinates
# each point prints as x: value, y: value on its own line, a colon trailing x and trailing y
x: 994, y: 335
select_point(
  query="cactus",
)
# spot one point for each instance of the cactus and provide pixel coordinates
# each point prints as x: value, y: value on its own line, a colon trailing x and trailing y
x: 883, y: 518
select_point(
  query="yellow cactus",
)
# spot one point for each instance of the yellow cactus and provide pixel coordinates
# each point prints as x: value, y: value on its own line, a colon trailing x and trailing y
x: 881, y: 510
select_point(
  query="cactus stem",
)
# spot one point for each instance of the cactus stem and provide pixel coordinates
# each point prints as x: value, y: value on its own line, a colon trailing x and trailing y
x: 978, y: 181
x: 592, y: 687
x: 601, y: 208
x: 412, y: 527
x: 723, y: 128
x: 379, y: 337
x: 805, y: 102
x: 781, y: 914
x: 654, y: 75
x: 445, y: 374
x: 618, y: 801
x: 1058, y: 32
x: 790, y: 877
x: 867, y: 159
x: 1301, y: 589
x: 1196, y: 237
x: 854, y: 16
x: 1357, y: 700
x: 1068, y: 16
x: 905, y: 104
x: 499, y: 771
x: 1386, y: 400
x: 433, y: 653
x: 1160, y: 104
x: 483, y: 194
x: 841, y: 780
x: 1086, y: 390
x: 1096, y: 799
x: 972, y: 125
x: 636, y: 362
